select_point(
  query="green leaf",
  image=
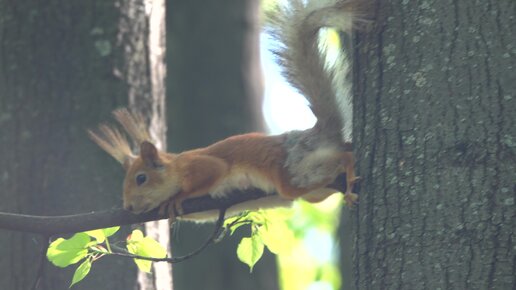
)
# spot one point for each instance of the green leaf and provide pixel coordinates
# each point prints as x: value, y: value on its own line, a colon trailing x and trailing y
x: 99, y: 249
x: 139, y: 245
x: 257, y: 217
x: 234, y: 227
x: 110, y: 231
x: 135, y: 236
x: 81, y: 271
x: 250, y: 250
x: 98, y: 235
x: 278, y: 214
x: 101, y: 234
x: 277, y: 237
x: 64, y: 252
x: 241, y: 219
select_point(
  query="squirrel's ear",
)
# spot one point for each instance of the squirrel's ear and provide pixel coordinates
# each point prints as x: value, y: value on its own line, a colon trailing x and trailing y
x: 149, y: 155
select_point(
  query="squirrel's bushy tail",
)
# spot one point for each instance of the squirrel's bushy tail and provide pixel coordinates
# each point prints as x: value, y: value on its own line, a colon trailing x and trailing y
x: 327, y: 86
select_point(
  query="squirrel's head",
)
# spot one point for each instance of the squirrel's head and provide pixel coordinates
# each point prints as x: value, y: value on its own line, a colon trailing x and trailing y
x: 149, y: 181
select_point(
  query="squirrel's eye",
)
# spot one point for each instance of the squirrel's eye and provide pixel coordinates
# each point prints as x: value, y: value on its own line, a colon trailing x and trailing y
x: 140, y: 179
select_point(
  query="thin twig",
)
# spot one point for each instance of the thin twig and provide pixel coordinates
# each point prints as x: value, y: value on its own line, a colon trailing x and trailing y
x: 41, y: 263
x: 213, y: 238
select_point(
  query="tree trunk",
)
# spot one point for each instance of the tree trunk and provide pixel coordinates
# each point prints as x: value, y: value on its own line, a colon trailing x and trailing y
x: 435, y: 140
x: 64, y: 67
x: 145, y: 75
x: 214, y: 88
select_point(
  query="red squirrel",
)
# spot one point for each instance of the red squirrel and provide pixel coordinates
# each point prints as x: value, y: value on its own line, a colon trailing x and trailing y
x: 297, y: 164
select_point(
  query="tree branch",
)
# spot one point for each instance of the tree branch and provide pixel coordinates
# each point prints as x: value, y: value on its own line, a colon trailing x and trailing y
x: 52, y: 225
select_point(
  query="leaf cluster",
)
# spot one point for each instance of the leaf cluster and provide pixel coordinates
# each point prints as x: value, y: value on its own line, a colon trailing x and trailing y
x: 87, y: 247
x: 268, y: 229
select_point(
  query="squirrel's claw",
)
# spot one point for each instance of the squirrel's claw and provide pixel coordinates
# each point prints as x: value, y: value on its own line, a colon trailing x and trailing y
x: 350, y: 197
x: 168, y: 209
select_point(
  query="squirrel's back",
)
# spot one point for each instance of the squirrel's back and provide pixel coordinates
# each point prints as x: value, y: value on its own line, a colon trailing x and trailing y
x: 260, y: 154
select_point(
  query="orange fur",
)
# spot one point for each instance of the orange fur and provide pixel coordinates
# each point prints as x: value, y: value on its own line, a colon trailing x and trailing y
x: 295, y: 164
x: 198, y: 172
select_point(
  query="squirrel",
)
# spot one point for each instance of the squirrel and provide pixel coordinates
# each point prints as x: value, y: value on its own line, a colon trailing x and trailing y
x: 296, y: 164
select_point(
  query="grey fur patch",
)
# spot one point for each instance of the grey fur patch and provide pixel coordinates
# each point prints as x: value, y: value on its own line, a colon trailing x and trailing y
x: 311, y: 157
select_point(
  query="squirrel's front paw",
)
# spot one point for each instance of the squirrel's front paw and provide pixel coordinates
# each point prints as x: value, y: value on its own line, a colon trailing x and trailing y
x: 167, y: 208
x: 350, y: 197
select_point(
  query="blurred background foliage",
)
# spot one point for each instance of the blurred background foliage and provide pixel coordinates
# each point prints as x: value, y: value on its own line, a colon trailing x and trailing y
x: 311, y: 259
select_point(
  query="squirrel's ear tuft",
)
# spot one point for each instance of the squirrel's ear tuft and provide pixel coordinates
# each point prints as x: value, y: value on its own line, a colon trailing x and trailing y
x: 149, y: 155
x: 127, y: 163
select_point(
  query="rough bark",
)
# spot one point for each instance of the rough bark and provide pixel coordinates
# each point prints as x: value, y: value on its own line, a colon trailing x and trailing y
x: 64, y: 66
x: 214, y: 83
x: 435, y: 139
x: 56, y: 80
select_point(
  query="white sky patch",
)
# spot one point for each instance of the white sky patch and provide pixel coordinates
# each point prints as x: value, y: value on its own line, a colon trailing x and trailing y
x: 320, y: 244
x: 284, y: 109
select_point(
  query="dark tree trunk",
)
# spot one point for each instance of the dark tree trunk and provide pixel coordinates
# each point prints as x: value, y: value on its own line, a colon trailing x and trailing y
x: 214, y: 88
x: 64, y: 67
x: 435, y: 138
x: 214, y: 70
